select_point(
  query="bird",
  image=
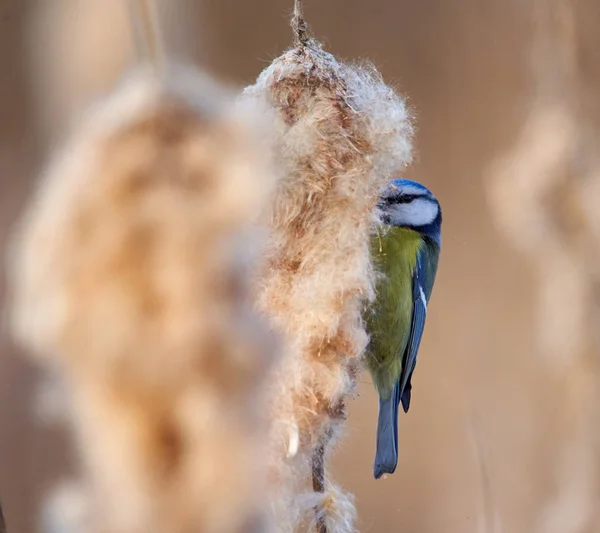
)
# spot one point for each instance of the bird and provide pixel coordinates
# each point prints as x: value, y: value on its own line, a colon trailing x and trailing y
x: 405, y: 252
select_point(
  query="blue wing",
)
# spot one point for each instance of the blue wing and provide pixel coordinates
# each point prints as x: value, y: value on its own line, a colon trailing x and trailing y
x: 423, y: 279
x: 386, y: 455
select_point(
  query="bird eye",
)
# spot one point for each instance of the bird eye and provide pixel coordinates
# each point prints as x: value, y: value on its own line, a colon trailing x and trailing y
x: 397, y: 199
x: 405, y: 198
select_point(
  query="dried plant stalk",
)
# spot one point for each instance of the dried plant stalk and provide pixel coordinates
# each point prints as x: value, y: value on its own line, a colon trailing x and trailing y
x: 341, y: 135
x: 147, y: 34
x: 2, y: 521
x: 76, y: 49
x: 130, y: 273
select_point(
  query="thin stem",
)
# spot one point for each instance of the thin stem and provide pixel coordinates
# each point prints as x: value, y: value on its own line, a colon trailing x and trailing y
x: 490, y: 519
x: 2, y: 521
x: 299, y: 24
x: 318, y: 482
x: 148, y: 39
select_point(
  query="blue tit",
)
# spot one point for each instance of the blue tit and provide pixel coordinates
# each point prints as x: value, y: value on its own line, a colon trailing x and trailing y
x: 405, y: 253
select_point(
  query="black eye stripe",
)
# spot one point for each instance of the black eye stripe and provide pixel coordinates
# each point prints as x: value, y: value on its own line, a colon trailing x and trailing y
x: 400, y: 199
x: 406, y: 198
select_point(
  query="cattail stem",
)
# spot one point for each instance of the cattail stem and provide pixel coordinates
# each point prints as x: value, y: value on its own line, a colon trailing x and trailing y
x: 318, y: 482
x: 299, y: 24
x: 489, y: 510
x: 2, y: 521
x: 146, y: 31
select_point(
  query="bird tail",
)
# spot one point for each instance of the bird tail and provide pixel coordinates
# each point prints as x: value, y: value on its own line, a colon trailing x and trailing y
x: 386, y: 456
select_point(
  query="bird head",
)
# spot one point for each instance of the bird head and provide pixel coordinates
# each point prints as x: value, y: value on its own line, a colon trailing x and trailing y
x: 408, y: 204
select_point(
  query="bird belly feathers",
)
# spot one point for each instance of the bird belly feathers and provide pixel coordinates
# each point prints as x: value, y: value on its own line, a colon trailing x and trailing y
x: 389, y: 318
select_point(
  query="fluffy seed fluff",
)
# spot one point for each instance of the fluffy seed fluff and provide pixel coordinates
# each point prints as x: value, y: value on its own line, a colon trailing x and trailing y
x: 129, y: 273
x: 341, y: 134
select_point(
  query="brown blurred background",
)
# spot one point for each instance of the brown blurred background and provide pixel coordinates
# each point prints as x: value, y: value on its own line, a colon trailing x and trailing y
x: 501, y: 436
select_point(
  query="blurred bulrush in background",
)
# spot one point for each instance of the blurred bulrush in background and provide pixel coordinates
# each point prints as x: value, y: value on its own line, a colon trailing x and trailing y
x: 130, y: 274
x: 494, y: 362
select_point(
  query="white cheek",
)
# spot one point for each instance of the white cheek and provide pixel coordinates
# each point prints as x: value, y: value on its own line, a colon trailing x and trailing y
x: 419, y: 212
